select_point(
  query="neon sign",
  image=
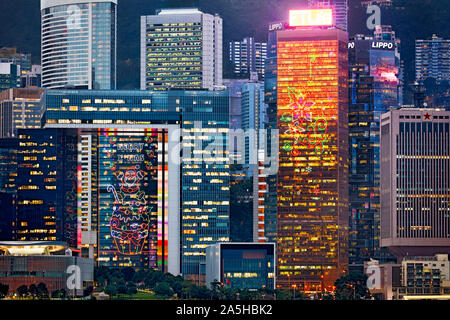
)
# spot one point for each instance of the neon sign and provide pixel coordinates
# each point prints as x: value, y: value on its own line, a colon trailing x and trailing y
x: 307, y: 126
x: 132, y: 216
x: 313, y: 17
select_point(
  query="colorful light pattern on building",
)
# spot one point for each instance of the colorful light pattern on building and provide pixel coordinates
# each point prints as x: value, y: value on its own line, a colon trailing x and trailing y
x: 312, y: 178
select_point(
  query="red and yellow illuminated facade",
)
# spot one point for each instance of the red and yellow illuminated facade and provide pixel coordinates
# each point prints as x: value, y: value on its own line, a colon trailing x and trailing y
x: 312, y: 184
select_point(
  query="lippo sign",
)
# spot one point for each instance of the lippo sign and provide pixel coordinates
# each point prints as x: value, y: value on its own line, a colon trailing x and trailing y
x: 382, y: 45
x: 313, y: 17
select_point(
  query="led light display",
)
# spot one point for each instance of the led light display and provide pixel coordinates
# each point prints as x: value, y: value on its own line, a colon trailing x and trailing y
x: 313, y: 17
x: 133, y: 230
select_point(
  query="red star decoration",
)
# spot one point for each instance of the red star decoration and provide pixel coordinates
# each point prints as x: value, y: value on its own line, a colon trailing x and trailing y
x: 427, y: 116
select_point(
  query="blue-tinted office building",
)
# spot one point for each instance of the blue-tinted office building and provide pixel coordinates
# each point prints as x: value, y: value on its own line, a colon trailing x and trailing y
x: 139, y: 136
x: 241, y: 265
x: 373, y: 84
x: 46, y: 186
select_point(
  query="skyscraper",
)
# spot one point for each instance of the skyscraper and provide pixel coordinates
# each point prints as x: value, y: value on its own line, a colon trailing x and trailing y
x: 415, y: 180
x: 312, y: 180
x: 433, y: 59
x: 128, y: 174
x: 373, y: 81
x: 340, y: 10
x: 129, y: 165
x: 46, y: 186
x: 181, y: 49
x: 248, y: 56
x: 79, y: 44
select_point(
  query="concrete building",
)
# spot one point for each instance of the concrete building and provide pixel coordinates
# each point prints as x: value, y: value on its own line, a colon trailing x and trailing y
x: 181, y: 49
x: 415, y: 179
x: 79, y: 40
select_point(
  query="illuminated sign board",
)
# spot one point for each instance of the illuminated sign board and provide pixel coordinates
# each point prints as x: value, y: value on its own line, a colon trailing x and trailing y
x: 276, y: 26
x: 313, y: 17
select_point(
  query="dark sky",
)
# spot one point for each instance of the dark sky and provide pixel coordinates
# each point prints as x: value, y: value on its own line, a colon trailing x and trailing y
x: 20, y: 24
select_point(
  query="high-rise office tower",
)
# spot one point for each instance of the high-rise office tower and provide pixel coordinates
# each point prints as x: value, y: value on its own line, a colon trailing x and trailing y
x: 312, y: 180
x: 248, y: 56
x: 20, y: 108
x: 386, y: 33
x: 181, y: 49
x: 433, y: 59
x: 373, y: 81
x: 128, y: 175
x: 79, y: 39
x: 340, y: 10
x: 8, y: 187
x: 46, y: 186
x: 129, y: 165
x: 205, y: 172
x: 415, y: 182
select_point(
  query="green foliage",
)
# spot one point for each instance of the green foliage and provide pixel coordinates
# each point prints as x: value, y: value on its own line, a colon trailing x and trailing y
x: 352, y: 287
x: 42, y: 291
x: 163, y: 289
x: 111, y: 290
x: 132, y: 290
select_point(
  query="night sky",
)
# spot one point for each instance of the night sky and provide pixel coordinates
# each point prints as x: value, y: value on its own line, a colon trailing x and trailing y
x: 411, y: 19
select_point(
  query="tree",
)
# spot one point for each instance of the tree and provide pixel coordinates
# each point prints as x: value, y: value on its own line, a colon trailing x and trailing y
x: 22, y: 291
x: 122, y: 288
x: 352, y: 287
x: 111, y: 290
x: 42, y: 290
x: 33, y: 291
x: 163, y: 289
x: 128, y: 273
x: 4, y: 288
x: 131, y: 290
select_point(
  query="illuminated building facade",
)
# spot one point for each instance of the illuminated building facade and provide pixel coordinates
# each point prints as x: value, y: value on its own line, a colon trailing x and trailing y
x: 20, y: 109
x: 181, y: 49
x: 248, y: 56
x: 8, y: 189
x: 34, y: 262
x: 46, y: 186
x: 128, y: 154
x: 79, y: 44
x: 433, y: 59
x: 241, y: 265
x: 127, y: 189
x: 312, y: 181
x: 205, y: 194
x: 373, y: 82
x: 415, y: 204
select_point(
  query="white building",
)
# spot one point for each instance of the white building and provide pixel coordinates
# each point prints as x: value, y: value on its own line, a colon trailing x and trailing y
x: 78, y: 46
x: 181, y: 49
x: 415, y: 180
